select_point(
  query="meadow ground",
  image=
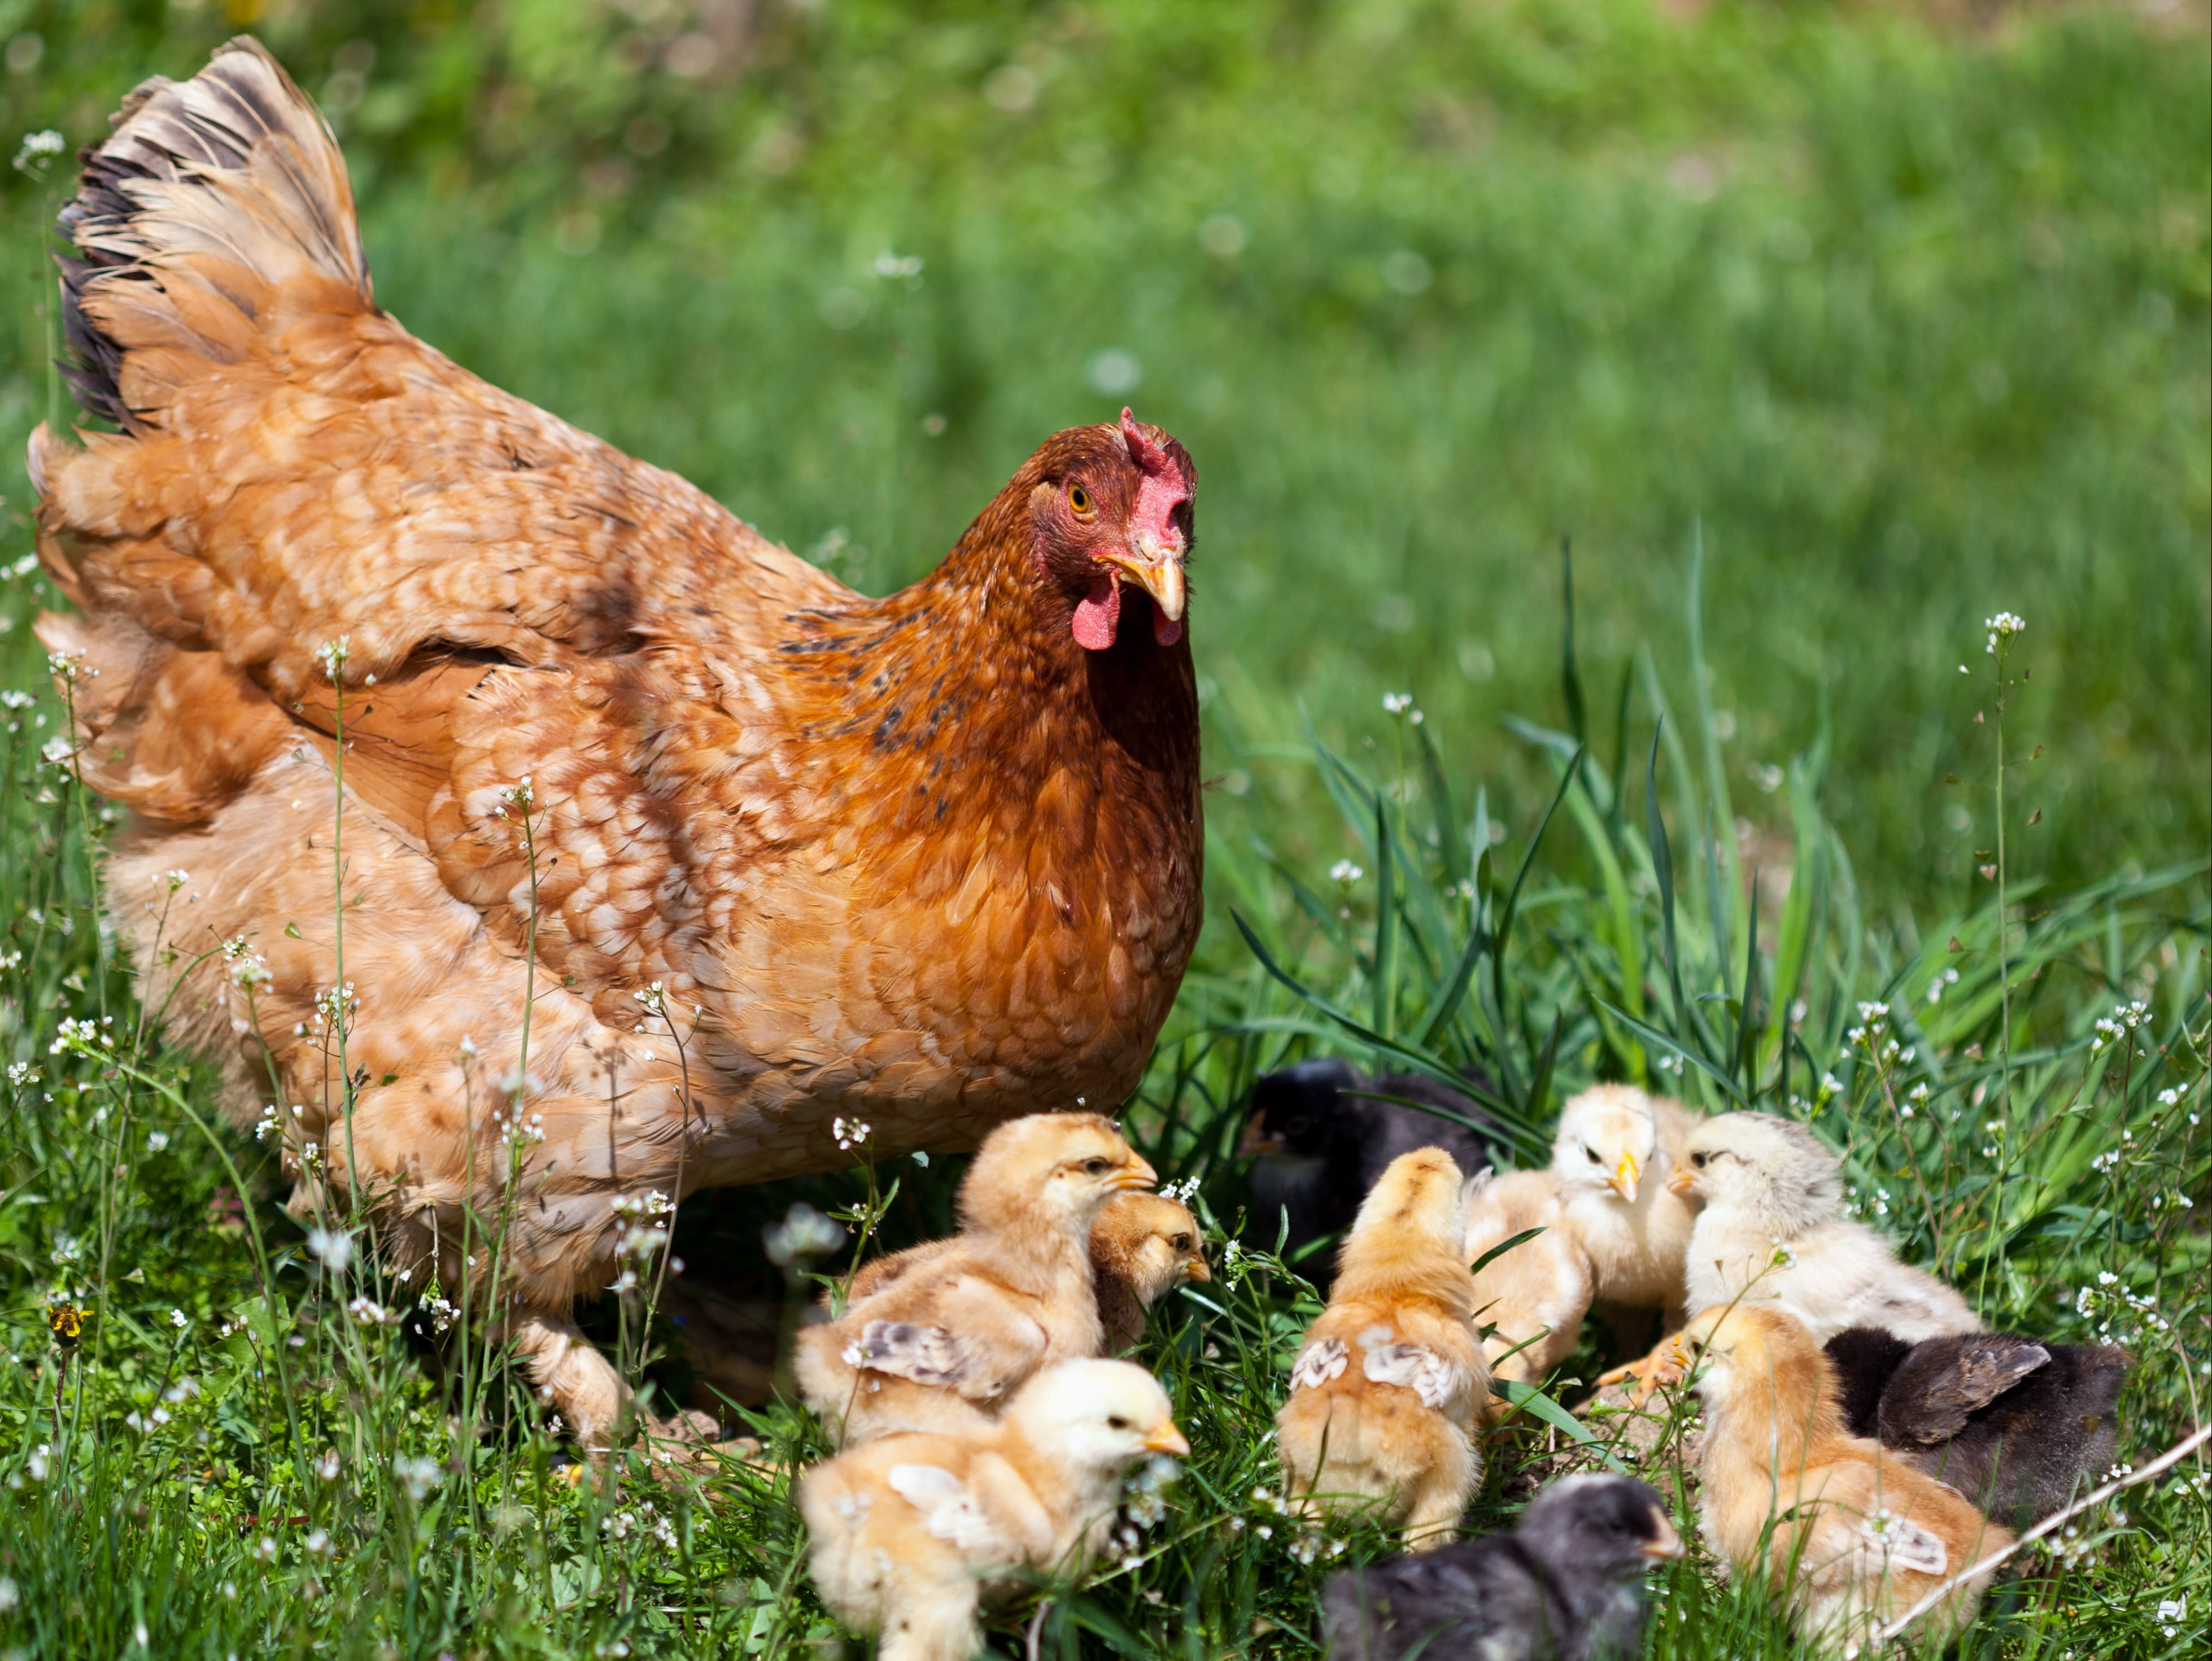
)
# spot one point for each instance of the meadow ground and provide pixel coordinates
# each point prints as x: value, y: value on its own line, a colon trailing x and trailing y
x: 1825, y: 336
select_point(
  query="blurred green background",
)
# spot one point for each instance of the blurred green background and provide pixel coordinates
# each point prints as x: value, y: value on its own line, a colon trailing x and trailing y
x: 1903, y: 310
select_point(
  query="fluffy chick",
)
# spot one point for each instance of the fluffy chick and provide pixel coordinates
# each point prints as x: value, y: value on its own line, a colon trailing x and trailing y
x: 1567, y: 1585
x: 1850, y: 1537
x: 911, y: 1533
x: 941, y: 1346
x: 1142, y: 1245
x: 1617, y: 1148
x: 1319, y: 1146
x: 1767, y: 1183
x: 1390, y: 1384
x: 2015, y: 1424
x: 1533, y: 1297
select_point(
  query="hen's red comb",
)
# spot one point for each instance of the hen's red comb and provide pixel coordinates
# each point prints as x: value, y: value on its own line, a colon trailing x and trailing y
x: 1142, y: 451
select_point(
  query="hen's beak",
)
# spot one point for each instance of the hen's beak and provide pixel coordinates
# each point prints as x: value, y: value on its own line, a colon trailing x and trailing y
x: 1137, y: 1173
x: 1684, y: 1181
x: 1166, y: 1439
x: 1666, y: 1544
x: 1157, y: 569
x: 1623, y: 1180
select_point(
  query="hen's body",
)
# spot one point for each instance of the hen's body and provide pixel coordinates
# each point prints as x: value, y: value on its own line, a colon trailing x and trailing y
x: 927, y: 861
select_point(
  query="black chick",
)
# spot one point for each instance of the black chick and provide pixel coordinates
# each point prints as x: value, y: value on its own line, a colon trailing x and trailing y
x: 2015, y: 1424
x: 1566, y: 1585
x: 1320, y: 1147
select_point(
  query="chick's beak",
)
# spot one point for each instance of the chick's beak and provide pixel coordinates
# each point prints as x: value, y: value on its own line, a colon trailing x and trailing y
x: 1684, y: 1181
x: 1623, y: 1180
x: 1257, y: 1139
x: 1156, y: 567
x: 1195, y: 1270
x: 1137, y: 1173
x: 1665, y: 1544
x: 1166, y: 1439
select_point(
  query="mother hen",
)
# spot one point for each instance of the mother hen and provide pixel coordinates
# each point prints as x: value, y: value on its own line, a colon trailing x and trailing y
x: 659, y: 851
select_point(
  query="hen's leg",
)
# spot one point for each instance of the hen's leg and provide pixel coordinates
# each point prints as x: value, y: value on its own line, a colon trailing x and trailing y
x: 569, y: 1372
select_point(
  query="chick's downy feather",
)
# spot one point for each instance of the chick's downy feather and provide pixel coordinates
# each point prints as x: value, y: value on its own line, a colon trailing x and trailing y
x: 942, y: 1346
x: 909, y: 1535
x: 755, y: 851
x: 1533, y: 1296
x: 1616, y: 1150
x: 1386, y: 1392
x: 1773, y: 1232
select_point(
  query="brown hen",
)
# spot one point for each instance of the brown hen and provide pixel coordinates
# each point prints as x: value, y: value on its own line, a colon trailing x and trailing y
x: 754, y: 852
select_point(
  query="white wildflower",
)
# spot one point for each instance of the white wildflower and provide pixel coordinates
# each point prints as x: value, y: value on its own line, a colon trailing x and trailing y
x: 1346, y: 871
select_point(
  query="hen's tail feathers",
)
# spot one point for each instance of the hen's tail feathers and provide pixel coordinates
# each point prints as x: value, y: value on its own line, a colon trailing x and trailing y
x: 211, y: 198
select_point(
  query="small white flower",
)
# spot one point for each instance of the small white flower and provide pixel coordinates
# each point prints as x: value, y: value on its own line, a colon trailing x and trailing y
x: 332, y: 1248
x: 179, y: 1320
x: 36, y: 154
x: 2002, y: 627
x: 417, y: 1474
x: 333, y: 655
x: 1397, y: 702
x: 156, y: 1141
x: 804, y: 1234
x: 1346, y: 871
x: 326, y: 1466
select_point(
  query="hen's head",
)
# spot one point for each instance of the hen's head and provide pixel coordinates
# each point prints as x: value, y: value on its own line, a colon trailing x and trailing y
x: 1111, y: 510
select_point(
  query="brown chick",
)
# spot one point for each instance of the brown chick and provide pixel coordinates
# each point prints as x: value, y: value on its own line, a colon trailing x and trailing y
x: 1387, y: 1392
x: 1535, y: 1295
x: 730, y: 849
x: 1616, y: 1149
x: 1851, y: 1536
x: 941, y: 1346
x: 912, y: 1533
x: 1141, y: 1245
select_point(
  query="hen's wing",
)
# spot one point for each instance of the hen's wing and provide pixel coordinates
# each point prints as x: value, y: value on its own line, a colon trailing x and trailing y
x: 1945, y: 1381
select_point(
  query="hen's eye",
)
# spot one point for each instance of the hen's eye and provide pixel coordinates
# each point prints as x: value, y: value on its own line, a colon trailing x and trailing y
x: 1095, y: 1167
x: 1080, y: 500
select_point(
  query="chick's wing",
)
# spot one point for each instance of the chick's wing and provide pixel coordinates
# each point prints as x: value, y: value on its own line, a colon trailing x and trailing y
x: 1318, y: 1363
x: 1935, y: 1394
x: 963, y: 1331
x: 1435, y: 1379
x: 948, y: 1509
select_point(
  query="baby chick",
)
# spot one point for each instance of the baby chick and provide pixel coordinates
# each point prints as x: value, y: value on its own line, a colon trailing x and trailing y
x: 1567, y: 1585
x: 2015, y: 1424
x: 941, y: 1346
x: 1141, y: 1246
x: 910, y: 1533
x: 1850, y: 1536
x: 1533, y: 1297
x: 1772, y: 1232
x: 1320, y: 1147
x: 1616, y: 1149
x: 1391, y: 1382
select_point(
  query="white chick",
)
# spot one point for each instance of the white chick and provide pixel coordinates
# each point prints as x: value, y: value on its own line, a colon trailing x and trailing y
x: 942, y: 1346
x: 912, y: 1533
x: 1617, y: 1147
x: 1532, y: 1297
x: 1387, y: 1392
x: 1772, y: 1232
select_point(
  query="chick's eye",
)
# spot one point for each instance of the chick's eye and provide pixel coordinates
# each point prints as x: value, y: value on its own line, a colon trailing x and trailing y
x: 1181, y: 1243
x: 1115, y: 1421
x: 1078, y: 500
x: 1095, y: 1167
x: 1699, y: 1160
x: 1593, y: 1159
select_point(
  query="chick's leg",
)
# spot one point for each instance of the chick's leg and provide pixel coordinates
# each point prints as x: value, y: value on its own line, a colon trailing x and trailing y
x: 583, y: 1387
x: 1441, y: 1493
x: 934, y: 1622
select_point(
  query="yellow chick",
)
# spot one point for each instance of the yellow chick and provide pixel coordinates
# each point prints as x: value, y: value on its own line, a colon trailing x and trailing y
x: 1533, y: 1297
x: 1773, y: 1232
x: 1617, y: 1147
x: 1142, y: 1245
x: 910, y: 1534
x: 1386, y: 1395
x: 941, y: 1346
x: 1851, y: 1537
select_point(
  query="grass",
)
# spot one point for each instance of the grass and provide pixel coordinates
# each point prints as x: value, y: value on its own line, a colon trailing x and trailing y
x: 1826, y: 337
